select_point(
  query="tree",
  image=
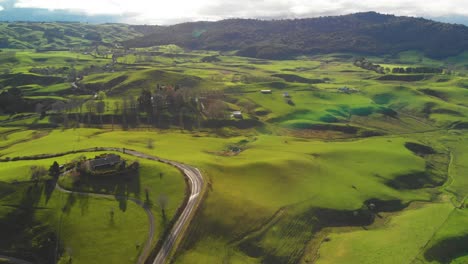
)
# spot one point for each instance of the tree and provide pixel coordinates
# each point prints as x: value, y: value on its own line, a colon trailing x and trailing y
x: 37, y: 172
x: 133, y: 110
x: 215, y: 109
x: 72, y: 75
x: 54, y: 170
x: 100, y: 108
x: 145, y: 104
x: 40, y: 109
x: 116, y: 112
x: 101, y: 95
x: 147, y: 197
x: 76, y: 103
x: 91, y: 108
x: 159, y: 102
x: 11, y: 101
x: 163, y: 200
x: 65, y: 120
x: 124, y: 113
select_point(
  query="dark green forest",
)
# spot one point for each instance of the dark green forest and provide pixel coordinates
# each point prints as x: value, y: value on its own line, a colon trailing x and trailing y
x: 365, y: 33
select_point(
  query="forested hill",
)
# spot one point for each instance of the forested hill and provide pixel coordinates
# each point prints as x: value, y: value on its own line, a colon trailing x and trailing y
x: 64, y: 35
x: 368, y: 33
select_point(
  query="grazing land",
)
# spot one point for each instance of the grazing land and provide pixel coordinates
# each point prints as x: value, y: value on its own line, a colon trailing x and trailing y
x: 329, y: 158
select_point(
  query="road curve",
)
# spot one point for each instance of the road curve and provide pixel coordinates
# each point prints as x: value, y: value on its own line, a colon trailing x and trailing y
x: 195, y: 180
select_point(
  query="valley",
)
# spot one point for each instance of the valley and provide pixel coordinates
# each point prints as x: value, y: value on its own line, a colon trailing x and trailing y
x: 318, y: 158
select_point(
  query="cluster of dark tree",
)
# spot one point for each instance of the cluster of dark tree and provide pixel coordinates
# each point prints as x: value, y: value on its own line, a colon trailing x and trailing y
x: 213, y: 58
x: 365, y: 33
x: 50, y: 70
x: 131, y: 111
x: 299, y: 79
x: 410, y: 70
x: 403, y: 78
x: 163, y: 107
x: 83, y: 111
x: 12, y: 101
x: 365, y: 64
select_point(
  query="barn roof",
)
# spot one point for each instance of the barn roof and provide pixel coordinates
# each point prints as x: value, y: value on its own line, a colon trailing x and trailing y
x: 110, y: 159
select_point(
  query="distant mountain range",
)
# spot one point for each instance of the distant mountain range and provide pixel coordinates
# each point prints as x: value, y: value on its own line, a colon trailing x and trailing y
x: 361, y: 33
x: 365, y: 33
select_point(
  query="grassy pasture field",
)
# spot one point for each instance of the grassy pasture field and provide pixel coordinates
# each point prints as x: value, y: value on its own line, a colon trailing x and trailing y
x: 398, y: 242
x: 30, y: 213
x: 81, y: 219
x: 311, y: 169
x: 374, y: 175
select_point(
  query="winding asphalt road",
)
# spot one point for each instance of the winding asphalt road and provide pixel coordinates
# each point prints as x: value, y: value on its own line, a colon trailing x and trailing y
x: 196, y: 183
x: 195, y: 179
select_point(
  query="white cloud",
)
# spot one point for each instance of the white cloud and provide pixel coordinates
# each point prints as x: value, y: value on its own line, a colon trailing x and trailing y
x: 1, y: 8
x: 171, y: 11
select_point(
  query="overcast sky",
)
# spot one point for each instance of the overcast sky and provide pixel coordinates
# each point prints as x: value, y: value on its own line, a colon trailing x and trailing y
x: 176, y: 11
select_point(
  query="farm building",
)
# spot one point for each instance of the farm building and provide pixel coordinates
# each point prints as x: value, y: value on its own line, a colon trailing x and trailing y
x: 237, y: 114
x: 265, y: 91
x: 347, y: 90
x: 104, y: 162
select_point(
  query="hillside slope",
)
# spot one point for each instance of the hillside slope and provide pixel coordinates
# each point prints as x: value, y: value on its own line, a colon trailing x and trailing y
x: 369, y: 33
x: 63, y: 35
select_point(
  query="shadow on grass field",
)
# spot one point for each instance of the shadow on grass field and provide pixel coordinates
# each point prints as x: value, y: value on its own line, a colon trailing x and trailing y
x: 24, y: 235
x: 322, y: 159
x: 448, y: 249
